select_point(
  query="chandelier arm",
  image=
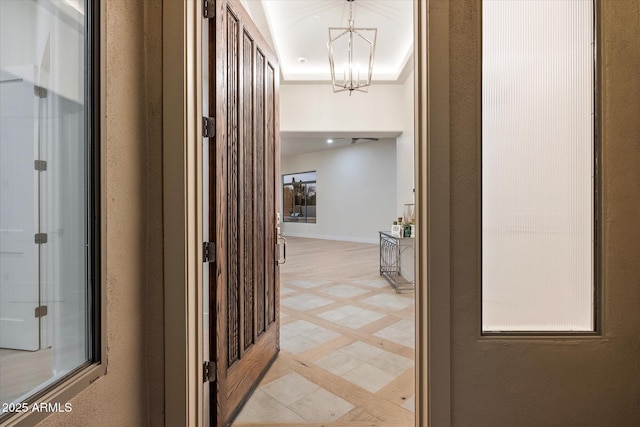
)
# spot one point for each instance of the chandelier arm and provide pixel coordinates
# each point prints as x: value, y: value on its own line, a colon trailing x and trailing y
x: 351, y: 85
x: 346, y: 30
x: 351, y: 58
x: 373, y: 54
x: 357, y: 33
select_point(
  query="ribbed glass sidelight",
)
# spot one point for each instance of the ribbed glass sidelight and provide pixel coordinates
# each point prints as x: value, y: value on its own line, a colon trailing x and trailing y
x: 538, y: 165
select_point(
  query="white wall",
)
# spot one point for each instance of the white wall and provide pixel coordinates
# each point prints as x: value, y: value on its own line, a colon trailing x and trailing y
x: 315, y: 108
x: 405, y: 149
x: 33, y: 26
x: 356, y: 191
x: 386, y: 108
x: 258, y: 16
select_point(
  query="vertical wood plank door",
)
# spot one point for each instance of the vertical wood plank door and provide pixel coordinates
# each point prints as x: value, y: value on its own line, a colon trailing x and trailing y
x: 243, y: 170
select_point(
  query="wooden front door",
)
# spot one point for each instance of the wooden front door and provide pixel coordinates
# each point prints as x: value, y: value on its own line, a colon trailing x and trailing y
x: 243, y: 171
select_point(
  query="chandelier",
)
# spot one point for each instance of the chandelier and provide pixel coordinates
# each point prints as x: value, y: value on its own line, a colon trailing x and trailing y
x: 351, y: 49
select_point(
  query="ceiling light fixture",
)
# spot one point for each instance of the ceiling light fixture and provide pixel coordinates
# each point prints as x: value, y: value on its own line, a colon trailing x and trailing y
x: 353, y: 47
x: 329, y: 141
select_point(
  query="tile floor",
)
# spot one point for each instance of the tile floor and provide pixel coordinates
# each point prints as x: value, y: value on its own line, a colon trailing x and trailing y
x: 347, y: 344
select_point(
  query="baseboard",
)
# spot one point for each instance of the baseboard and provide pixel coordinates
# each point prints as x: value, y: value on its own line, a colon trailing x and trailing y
x: 353, y: 239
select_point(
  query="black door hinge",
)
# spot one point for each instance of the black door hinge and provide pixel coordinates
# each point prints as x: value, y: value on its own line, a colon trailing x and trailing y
x: 41, y: 311
x: 209, y: 9
x: 209, y: 372
x: 208, y: 252
x: 208, y: 127
x: 40, y: 91
x: 40, y: 165
x: 40, y: 238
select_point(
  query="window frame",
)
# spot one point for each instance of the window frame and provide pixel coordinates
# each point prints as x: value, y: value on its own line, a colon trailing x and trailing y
x: 596, y: 207
x: 71, y: 384
x: 284, y: 185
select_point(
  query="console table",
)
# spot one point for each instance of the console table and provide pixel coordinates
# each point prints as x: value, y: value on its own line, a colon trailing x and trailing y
x: 392, y: 252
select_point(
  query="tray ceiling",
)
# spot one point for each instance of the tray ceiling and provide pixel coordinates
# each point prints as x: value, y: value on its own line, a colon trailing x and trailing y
x: 299, y: 29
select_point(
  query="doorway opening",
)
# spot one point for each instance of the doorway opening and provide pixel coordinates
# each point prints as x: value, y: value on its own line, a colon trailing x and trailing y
x: 346, y: 337
x: 347, y: 341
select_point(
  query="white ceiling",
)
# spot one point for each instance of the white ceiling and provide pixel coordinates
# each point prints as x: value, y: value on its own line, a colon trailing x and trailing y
x: 294, y: 143
x: 299, y: 28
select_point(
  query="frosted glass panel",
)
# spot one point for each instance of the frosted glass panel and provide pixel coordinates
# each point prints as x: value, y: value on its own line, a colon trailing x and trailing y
x: 537, y: 165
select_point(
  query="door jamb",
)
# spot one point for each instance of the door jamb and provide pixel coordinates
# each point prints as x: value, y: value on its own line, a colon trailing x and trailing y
x: 432, y: 153
x: 182, y: 211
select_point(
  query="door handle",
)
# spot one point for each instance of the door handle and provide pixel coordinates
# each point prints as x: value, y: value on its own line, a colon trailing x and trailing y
x: 284, y: 251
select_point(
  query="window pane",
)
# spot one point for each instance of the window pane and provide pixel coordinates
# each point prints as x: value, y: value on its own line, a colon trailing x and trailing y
x: 299, y: 197
x: 299, y: 177
x: 537, y: 165
x: 43, y: 194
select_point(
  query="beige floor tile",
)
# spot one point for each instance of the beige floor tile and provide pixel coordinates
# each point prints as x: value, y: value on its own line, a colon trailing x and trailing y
x: 322, y: 335
x: 394, y: 334
x: 305, y: 302
x: 334, y: 315
x: 361, y: 351
x: 307, y: 283
x: 369, y: 314
x: 369, y: 377
x: 377, y: 282
x: 286, y: 291
x: 260, y: 407
x: 354, y: 322
x: 391, y: 302
x: 404, y: 325
x: 345, y: 291
x: 300, y: 335
x: 351, y: 316
x: 297, y: 327
x: 410, y: 342
x: 298, y: 344
x: 289, y: 388
x: 410, y: 404
x: 391, y: 363
x: 287, y: 416
x: 321, y: 406
x: 338, y: 363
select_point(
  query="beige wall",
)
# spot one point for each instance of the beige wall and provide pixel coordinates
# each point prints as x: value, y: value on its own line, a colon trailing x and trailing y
x: 550, y: 381
x: 132, y: 391
x: 315, y: 108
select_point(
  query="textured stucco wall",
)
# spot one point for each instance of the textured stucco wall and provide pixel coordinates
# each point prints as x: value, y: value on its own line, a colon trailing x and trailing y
x: 550, y: 381
x: 132, y: 391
